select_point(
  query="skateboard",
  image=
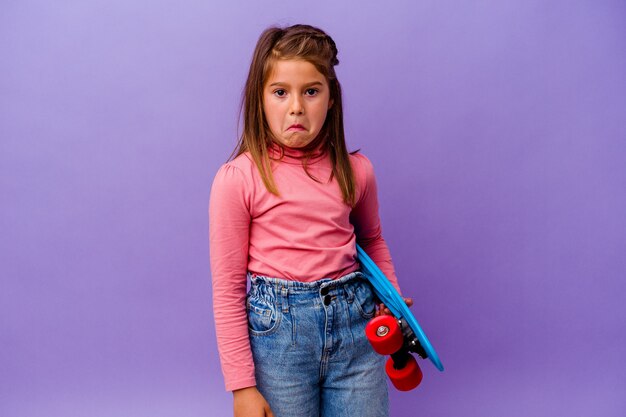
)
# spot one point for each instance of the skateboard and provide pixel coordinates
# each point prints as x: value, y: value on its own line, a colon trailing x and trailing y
x: 397, y: 335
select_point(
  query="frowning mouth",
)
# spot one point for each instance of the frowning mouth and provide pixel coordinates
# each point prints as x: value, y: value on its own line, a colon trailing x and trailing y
x: 296, y: 127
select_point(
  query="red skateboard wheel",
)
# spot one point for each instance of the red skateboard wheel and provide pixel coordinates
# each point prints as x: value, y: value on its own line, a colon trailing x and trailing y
x: 384, y: 334
x: 407, y: 378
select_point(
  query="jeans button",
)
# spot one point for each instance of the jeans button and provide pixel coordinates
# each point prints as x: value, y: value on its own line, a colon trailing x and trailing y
x: 327, y: 300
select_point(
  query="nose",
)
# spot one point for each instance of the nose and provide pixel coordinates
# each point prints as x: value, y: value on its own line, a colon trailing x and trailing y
x: 296, y: 106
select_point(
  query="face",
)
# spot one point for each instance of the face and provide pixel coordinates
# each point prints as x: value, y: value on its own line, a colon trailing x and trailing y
x: 296, y: 99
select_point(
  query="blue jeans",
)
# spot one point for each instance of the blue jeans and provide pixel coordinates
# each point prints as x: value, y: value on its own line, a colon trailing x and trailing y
x: 309, y: 347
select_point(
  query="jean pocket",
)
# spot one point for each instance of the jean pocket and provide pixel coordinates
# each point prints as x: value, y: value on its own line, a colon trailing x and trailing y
x: 263, y: 316
x: 364, y: 299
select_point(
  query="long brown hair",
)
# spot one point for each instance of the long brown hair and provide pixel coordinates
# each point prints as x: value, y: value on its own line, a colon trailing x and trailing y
x: 315, y: 46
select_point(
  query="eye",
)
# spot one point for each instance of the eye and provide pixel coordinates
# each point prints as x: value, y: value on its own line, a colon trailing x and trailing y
x: 312, y: 91
x: 280, y: 93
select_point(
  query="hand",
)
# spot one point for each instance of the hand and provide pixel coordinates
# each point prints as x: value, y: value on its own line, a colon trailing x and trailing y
x: 248, y: 402
x: 384, y: 311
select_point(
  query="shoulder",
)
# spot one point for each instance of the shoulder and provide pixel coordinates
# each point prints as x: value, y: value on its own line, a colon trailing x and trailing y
x: 243, y: 161
x: 360, y: 161
x: 236, y: 169
x: 234, y: 177
x: 362, y: 166
x: 363, y: 171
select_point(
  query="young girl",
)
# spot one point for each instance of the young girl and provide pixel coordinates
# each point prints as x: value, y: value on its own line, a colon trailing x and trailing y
x: 286, y: 213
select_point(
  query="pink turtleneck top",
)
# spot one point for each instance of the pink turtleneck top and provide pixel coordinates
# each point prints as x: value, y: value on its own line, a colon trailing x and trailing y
x: 305, y: 234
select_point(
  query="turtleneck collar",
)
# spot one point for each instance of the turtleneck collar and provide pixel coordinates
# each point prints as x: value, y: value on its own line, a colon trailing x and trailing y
x: 295, y: 155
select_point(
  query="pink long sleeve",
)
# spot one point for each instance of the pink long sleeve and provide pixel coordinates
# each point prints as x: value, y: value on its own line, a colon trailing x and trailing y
x: 229, y: 226
x: 366, y: 220
x: 305, y: 234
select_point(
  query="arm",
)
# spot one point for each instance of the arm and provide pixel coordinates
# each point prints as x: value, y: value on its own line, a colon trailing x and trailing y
x: 229, y: 223
x: 366, y: 220
x: 229, y: 226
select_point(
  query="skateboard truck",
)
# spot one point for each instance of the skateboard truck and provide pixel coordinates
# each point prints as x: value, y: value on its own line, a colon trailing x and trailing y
x: 412, y: 342
x: 397, y: 335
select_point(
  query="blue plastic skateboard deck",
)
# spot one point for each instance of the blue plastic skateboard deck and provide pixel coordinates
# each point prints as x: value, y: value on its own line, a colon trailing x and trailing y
x: 389, y: 296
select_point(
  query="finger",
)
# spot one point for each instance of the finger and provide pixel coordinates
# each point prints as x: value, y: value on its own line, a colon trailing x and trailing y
x: 383, y: 310
x: 408, y: 301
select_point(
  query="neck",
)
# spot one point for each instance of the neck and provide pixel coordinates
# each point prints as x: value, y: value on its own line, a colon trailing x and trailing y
x: 287, y: 154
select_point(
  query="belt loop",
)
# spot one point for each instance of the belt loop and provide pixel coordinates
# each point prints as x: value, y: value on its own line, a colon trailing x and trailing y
x: 285, y: 299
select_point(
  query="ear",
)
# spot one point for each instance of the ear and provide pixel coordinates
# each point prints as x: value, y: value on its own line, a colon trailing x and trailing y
x: 330, y: 103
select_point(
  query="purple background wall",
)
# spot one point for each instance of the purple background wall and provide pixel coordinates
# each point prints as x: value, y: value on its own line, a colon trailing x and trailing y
x: 497, y: 132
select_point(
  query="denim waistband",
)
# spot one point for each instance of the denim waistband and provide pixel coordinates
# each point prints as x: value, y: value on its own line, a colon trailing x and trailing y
x: 297, y: 286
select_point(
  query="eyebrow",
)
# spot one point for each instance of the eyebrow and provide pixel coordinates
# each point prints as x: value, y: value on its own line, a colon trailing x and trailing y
x: 279, y: 83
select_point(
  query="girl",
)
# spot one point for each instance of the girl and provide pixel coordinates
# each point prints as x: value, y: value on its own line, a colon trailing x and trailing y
x: 286, y: 213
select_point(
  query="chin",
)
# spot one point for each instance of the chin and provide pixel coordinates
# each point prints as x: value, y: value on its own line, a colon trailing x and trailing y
x: 296, y: 143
